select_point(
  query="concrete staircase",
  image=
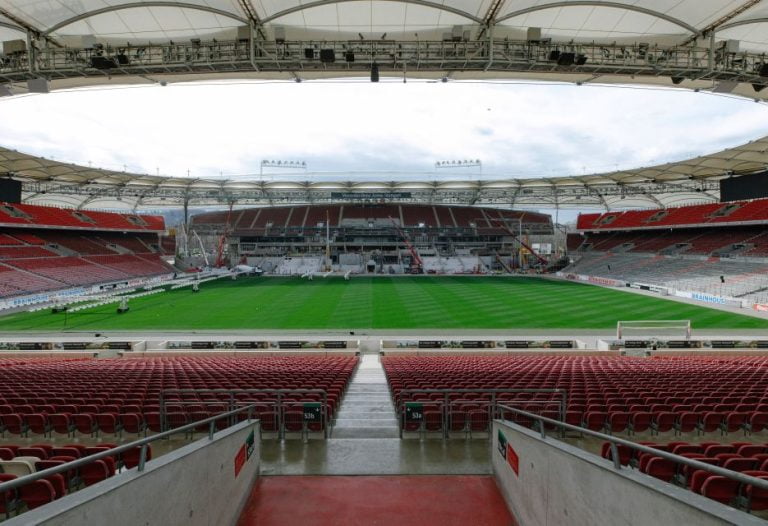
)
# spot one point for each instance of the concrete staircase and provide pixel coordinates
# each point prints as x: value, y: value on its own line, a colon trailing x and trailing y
x: 366, y: 410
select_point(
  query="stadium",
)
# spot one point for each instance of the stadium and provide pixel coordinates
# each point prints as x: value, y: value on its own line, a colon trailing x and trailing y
x: 259, y: 341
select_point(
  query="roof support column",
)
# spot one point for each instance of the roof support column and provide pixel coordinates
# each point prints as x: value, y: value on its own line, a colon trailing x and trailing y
x: 185, y: 223
x: 490, y: 46
x: 252, y: 44
x: 711, y: 59
x: 31, y: 53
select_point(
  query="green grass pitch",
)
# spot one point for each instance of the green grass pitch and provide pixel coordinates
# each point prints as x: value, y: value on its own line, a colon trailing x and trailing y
x: 423, y: 302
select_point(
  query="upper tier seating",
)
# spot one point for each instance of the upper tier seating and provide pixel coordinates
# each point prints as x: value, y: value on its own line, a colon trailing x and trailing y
x: 33, y: 215
x: 741, y: 241
x: 737, y: 211
x: 412, y: 216
x: 444, y: 216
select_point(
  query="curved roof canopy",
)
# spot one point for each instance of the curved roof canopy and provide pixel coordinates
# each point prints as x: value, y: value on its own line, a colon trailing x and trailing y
x: 651, y: 21
x: 621, y: 41
x: 691, y: 181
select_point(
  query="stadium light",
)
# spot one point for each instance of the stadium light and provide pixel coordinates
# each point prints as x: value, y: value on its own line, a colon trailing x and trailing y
x: 461, y: 163
x: 282, y: 164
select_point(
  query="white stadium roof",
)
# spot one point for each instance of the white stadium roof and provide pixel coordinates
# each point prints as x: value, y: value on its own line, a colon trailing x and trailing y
x: 662, y: 21
x: 715, y: 45
x: 692, y: 181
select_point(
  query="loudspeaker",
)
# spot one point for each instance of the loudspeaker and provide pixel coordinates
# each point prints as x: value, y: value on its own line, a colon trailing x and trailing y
x: 103, y: 63
x: 566, y: 59
x: 581, y: 60
x: 722, y: 279
x: 122, y: 59
x: 533, y: 34
x: 554, y: 55
x: 309, y: 53
x: 327, y: 55
x: 764, y: 70
x: 349, y: 56
x: 374, y: 73
x: 10, y: 191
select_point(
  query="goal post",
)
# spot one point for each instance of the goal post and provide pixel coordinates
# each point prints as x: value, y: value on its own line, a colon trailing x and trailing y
x: 653, y: 328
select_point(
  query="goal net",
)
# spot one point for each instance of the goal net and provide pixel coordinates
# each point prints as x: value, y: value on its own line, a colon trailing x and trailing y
x: 631, y: 329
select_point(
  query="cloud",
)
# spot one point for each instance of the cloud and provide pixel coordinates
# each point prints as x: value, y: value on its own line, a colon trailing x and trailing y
x: 364, y: 129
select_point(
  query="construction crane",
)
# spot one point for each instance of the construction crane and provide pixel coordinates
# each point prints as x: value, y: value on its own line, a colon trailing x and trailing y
x: 223, y: 238
x: 522, y: 243
x: 202, y: 248
x: 417, y: 265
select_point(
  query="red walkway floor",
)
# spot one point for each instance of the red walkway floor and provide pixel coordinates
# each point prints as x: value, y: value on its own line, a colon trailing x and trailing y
x: 376, y: 501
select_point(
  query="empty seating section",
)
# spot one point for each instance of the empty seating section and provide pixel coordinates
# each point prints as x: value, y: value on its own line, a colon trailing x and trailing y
x: 573, y: 241
x: 258, y: 219
x: 296, y: 219
x: 418, y: 215
x: 742, y: 278
x: 68, y: 270
x: 444, y: 216
x: 737, y: 211
x: 127, y: 242
x: 28, y: 238
x: 746, y: 457
x: 75, y: 242
x: 381, y: 212
x: 132, y: 265
x: 611, y: 394
x: 168, y: 245
x: 40, y: 260
x: 322, y: 215
x: 14, y: 282
x: 469, y: 218
x: 24, y: 214
x: 114, y: 396
x: 24, y: 252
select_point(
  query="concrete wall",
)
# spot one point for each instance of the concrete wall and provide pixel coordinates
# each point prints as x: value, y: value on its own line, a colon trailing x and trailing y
x: 560, y: 484
x: 191, y: 486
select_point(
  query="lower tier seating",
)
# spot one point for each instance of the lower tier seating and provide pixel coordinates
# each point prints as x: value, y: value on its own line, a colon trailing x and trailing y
x: 93, y: 397
x: 20, y: 460
x: 745, y: 457
x: 612, y: 394
x: 742, y: 278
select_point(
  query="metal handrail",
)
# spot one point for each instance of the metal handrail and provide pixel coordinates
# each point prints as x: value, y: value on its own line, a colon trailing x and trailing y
x: 614, y: 441
x: 233, y: 402
x: 142, y: 442
x: 400, y: 404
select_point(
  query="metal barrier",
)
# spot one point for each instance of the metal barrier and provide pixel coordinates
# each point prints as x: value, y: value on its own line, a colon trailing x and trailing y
x: 283, y: 414
x: 442, y: 413
x: 142, y: 443
x: 615, y: 442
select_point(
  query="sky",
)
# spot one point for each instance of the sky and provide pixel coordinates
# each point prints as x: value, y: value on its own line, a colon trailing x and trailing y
x: 358, y: 129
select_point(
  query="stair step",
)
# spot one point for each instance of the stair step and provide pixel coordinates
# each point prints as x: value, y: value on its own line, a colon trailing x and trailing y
x: 359, y: 422
x: 366, y: 432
